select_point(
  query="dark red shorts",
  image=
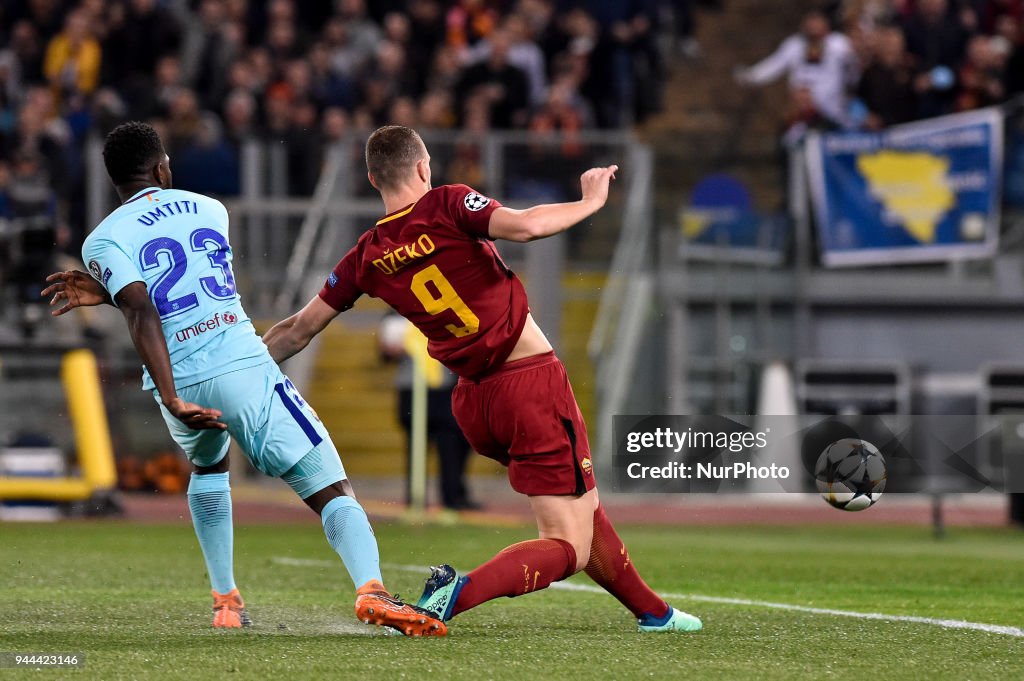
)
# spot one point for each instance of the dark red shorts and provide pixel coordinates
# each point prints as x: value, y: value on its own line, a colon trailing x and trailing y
x: 525, y: 417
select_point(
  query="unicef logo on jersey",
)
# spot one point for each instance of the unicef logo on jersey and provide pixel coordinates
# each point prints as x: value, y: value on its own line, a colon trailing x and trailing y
x: 215, y: 322
x: 475, y: 202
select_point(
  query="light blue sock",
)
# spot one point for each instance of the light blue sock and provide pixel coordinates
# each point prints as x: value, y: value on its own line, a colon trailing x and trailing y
x: 349, y: 533
x: 209, y: 500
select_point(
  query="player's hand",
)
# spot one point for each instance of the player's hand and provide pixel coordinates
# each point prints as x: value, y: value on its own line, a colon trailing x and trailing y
x: 595, y: 184
x: 73, y: 289
x: 194, y: 416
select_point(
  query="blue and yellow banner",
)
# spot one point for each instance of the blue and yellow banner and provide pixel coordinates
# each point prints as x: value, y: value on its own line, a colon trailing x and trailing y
x: 919, y: 192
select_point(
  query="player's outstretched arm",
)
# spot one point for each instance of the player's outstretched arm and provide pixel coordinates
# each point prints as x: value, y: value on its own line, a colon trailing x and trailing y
x: 74, y: 289
x: 291, y: 335
x: 148, y: 336
x: 551, y: 218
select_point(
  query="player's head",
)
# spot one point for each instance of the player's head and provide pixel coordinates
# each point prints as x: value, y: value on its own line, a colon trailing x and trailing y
x: 134, y: 154
x: 396, y: 158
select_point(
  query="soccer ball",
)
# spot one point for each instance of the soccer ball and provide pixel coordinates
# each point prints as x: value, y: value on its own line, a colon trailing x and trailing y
x: 850, y: 474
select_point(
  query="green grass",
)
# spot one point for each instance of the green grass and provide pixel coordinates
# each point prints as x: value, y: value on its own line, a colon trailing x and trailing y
x: 134, y: 599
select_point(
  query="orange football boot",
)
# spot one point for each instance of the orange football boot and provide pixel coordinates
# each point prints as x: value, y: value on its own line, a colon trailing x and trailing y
x: 374, y: 605
x: 229, y: 611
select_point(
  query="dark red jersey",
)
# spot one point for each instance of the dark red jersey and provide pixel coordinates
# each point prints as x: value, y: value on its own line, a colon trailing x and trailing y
x: 434, y: 264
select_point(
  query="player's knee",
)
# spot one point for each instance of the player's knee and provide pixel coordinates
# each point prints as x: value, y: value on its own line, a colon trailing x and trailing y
x: 581, y: 545
x: 219, y: 467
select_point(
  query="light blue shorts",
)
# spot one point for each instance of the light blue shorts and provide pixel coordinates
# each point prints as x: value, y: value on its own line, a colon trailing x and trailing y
x: 268, y: 419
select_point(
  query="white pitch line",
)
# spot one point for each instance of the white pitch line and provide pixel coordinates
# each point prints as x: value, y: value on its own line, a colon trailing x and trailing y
x: 571, y: 586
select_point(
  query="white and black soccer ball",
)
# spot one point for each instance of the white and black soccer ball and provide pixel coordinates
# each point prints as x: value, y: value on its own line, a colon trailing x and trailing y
x: 850, y: 474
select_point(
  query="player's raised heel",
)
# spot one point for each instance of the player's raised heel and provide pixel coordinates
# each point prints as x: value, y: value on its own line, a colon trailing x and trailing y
x: 674, y: 620
x: 374, y: 605
x: 229, y: 611
x: 440, y: 591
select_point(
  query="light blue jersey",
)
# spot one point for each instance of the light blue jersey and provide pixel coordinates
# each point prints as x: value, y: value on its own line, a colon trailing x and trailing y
x: 177, y: 243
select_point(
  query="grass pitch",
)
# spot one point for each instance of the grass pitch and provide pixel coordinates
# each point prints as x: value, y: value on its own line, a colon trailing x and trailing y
x: 134, y: 599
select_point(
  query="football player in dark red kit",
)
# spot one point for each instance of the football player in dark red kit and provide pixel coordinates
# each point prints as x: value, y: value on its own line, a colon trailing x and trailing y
x: 432, y: 259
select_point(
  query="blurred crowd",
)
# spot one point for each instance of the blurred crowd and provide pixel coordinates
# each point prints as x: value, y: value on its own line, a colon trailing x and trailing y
x: 867, y: 64
x: 213, y: 74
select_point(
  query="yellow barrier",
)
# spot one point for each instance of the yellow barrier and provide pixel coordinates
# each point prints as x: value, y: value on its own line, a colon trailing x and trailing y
x: 92, y: 439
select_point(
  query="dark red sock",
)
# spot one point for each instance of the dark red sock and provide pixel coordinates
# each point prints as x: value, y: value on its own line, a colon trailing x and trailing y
x: 611, y: 567
x: 517, y: 570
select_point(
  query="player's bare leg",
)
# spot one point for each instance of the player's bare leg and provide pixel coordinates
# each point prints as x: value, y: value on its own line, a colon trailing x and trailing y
x: 209, y: 501
x: 568, y: 518
x: 350, y: 535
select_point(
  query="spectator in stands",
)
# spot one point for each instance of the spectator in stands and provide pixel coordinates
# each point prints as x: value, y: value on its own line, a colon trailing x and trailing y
x: 502, y: 86
x: 646, y: 72
x: 183, y: 117
x: 684, y: 26
x: 10, y: 91
x: 335, y: 125
x: 816, y: 60
x: 72, y: 64
x: 445, y: 70
x: 993, y: 11
x: 543, y: 28
x: 936, y: 36
x: 563, y: 110
x: 327, y: 87
x: 403, y: 111
x: 436, y: 110
x: 523, y: 53
x: 240, y: 117
x: 363, y: 34
x: 469, y: 21
x: 28, y: 48
x: 31, y: 206
x: 1013, y: 32
x: 980, y: 77
x: 886, y: 86
x: 42, y: 133
x: 588, y: 57
x: 139, y: 34
x: 427, y: 35
x: 210, y: 45
x: 803, y: 115
x: 169, y: 81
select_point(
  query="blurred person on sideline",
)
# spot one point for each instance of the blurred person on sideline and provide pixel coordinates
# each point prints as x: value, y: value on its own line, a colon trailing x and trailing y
x: 401, y: 342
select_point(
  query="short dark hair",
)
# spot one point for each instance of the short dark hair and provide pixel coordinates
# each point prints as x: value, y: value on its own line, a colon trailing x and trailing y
x: 392, y: 153
x: 131, y: 150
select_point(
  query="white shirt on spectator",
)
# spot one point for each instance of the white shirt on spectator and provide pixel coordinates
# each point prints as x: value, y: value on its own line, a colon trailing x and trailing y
x: 828, y: 80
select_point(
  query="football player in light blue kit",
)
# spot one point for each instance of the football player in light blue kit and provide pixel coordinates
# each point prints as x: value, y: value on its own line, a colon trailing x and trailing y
x: 164, y: 260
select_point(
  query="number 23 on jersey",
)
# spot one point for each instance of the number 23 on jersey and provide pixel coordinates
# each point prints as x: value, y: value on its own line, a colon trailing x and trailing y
x: 169, y: 255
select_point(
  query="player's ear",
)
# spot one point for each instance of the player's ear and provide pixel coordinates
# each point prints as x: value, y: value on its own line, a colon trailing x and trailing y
x: 373, y: 183
x: 423, y: 170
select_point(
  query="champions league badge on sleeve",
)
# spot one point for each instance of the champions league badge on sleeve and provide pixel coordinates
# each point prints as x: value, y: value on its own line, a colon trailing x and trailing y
x: 475, y: 202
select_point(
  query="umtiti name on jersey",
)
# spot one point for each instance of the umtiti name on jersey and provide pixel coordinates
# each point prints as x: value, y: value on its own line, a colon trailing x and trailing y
x: 166, y: 210
x: 393, y: 261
